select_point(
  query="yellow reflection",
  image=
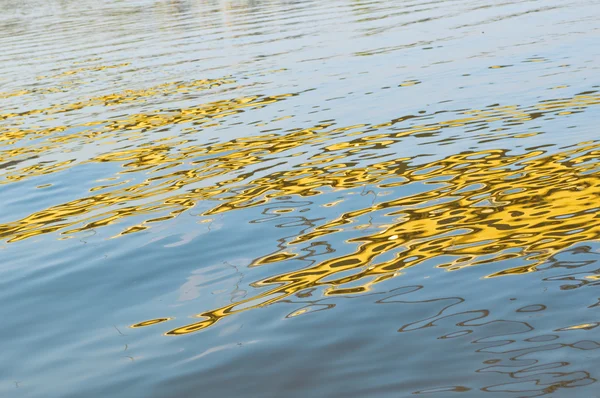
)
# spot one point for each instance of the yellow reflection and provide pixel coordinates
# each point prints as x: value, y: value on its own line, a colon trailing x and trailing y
x: 533, y: 213
x: 150, y: 322
x: 473, y: 208
x: 583, y: 326
x: 85, y: 69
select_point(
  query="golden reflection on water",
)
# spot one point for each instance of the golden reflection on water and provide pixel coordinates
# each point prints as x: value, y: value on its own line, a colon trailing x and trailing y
x: 127, y: 96
x: 478, y: 207
x: 480, y: 215
x: 422, y: 171
x: 150, y: 322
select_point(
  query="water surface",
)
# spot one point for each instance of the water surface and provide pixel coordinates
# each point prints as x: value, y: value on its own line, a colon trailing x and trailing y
x: 267, y: 198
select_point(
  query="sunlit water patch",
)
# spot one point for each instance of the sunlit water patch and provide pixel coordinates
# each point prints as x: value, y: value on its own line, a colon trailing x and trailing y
x: 280, y: 198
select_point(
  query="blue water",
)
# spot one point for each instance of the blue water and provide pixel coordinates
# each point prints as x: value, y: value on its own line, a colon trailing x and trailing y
x: 298, y: 198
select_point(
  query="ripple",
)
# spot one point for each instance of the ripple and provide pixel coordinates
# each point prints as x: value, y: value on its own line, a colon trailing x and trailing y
x: 340, y: 194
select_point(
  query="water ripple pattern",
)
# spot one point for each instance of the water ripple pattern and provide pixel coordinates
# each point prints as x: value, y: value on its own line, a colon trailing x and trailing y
x: 271, y: 198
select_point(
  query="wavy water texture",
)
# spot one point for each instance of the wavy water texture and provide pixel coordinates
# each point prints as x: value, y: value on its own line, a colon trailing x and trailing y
x: 321, y: 169
x: 358, y: 198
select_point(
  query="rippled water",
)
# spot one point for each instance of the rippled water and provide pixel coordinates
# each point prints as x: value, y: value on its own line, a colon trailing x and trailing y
x: 267, y: 198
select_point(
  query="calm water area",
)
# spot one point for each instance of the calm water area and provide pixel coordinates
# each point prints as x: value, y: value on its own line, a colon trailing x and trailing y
x: 299, y: 198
